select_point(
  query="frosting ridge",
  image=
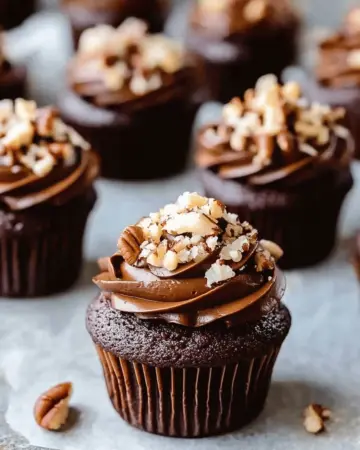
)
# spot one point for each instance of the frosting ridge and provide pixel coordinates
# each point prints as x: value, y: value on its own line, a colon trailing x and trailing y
x: 274, y: 135
x: 192, y: 263
x: 41, y: 158
x: 127, y: 66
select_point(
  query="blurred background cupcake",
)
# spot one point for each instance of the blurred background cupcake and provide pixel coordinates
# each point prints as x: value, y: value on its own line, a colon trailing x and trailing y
x: 85, y: 14
x: 46, y: 194
x: 282, y: 164
x: 337, y: 73
x: 200, y: 295
x: 14, y: 12
x: 240, y: 40
x: 12, y: 76
x: 133, y: 96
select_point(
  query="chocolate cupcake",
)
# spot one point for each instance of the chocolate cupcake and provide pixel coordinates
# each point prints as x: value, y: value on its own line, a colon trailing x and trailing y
x: 189, y: 320
x: 240, y: 40
x: 12, y: 78
x: 283, y: 165
x: 337, y: 80
x: 84, y: 14
x: 14, y: 12
x: 46, y: 194
x: 132, y: 95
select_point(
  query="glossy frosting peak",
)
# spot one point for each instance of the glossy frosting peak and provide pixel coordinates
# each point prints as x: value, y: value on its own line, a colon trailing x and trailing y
x: 192, y: 263
x: 274, y: 134
x: 41, y: 158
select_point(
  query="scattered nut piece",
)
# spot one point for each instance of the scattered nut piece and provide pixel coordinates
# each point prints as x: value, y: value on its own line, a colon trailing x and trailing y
x: 52, y: 408
x: 255, y: 10
x: 129, y: 243
x: 314, y: 417
x: 218, y: 272
x: 275, y: 250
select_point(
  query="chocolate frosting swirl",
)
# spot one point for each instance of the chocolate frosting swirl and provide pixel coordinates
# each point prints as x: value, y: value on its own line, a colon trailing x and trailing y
x: 229, y: 17
x: 274, y: 138
x: 339, y: 55
x: 128, y: 69
x: 185, y: 295
x: 38, y: 172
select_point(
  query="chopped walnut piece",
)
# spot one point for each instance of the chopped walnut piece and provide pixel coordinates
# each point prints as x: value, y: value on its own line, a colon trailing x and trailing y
x: 6, y: 109
x: 275, y: 250
x: 19, y: 134
x: 218, y: 272
x: 25, y: 110
x: 170, y: 261
x: 191, y: 199
x: 191, y: 222
x: 263, y: 260
x: 234, y: 251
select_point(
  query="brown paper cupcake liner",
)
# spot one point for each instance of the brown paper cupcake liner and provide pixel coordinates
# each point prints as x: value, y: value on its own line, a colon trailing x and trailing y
x: 46, y: 261
x: 188, y: 402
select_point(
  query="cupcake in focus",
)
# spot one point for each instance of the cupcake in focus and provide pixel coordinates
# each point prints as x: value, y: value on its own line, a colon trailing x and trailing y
x: 46, y: 194
x: 240, y: 40
x: 133, y: 95
x: 14, y: 12
x: 84, y: 14
x: 189, y: 320
x: 337, y: 75
x: 12, y: 77
x: 281, y: 163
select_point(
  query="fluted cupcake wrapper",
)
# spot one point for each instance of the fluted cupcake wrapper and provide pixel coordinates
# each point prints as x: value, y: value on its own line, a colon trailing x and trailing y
x: 46, y: 261
x: 188, y: 402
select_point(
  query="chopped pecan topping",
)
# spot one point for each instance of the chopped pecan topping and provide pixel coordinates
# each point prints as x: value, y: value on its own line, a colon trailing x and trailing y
x: 189, y: 231
x: 273, y: 117
x: 127, y: 56
x: 35, y: 139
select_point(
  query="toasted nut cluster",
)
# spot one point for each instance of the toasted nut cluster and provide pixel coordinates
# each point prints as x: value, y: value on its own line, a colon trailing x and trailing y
x: 52, y: 408
x: 127, y: 56
x: 189, y: 231
x: 35, y: 139
x: 314, y: 417
x: 269, y: 117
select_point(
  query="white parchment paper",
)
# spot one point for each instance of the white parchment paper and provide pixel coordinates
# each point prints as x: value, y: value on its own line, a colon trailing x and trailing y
x: 43, y: 342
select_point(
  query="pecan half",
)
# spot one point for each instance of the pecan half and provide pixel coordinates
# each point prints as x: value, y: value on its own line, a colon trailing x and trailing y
x: 129, y: 243
x: 52, y: 408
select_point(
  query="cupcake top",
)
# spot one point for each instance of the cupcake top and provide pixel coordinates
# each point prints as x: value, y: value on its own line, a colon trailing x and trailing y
x: 227, y: 17
x: 193, y: 263
x: 274, y: 134
x: 116, y: 66
x: 339, y: 55
x: 41, y: 158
